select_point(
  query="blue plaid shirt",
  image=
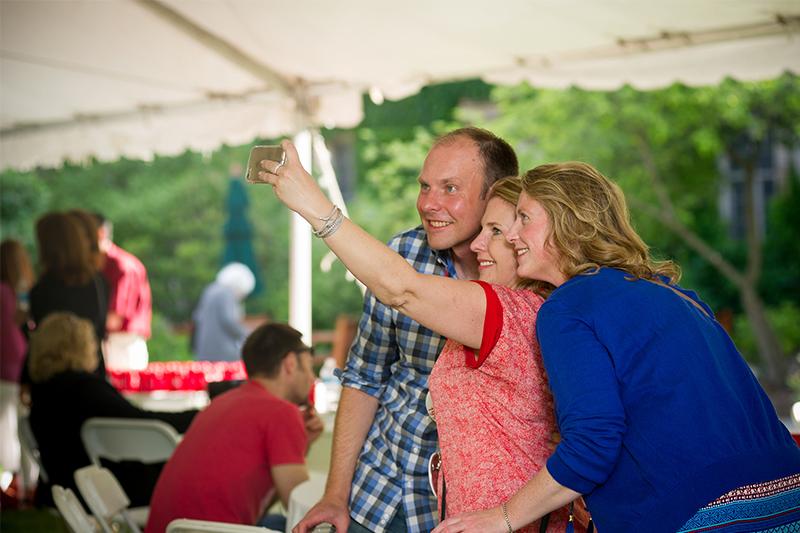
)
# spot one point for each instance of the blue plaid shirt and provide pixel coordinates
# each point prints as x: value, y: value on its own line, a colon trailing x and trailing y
x: 391, y: 360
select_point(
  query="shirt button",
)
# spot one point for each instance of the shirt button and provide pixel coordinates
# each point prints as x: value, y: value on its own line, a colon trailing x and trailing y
x: 415, y: 449
x: 410, y: 483
x: 384, y: 520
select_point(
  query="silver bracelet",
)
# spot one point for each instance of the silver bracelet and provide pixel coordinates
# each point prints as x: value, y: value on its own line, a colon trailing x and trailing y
x: 330, y: 215
x: 329, y: 228
x: 329, y: 221
x: 334, y: 226
x: 505, y: 515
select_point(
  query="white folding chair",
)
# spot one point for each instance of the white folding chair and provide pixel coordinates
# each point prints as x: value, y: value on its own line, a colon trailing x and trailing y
x: 183, y: 525
x: 137, y: 439
x: 72, y: 511
x: 303, y: 497
x: 29, y: 446
x: 103, y: 494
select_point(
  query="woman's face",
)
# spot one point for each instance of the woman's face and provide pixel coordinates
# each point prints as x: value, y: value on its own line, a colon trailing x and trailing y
x: 496, y: 257
x: 537, y: 258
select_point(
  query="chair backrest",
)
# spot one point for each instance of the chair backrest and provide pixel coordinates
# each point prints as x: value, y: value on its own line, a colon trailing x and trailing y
x: 72, y: 510
x: 146, y: 440
x: 103, y: 494
x: 28, y: 443
x: 183, y: 525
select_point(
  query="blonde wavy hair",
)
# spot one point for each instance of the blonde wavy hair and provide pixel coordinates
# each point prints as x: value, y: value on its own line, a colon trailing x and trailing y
x: 509, y: 189
x: 62, y: 342
x: 591, y: 225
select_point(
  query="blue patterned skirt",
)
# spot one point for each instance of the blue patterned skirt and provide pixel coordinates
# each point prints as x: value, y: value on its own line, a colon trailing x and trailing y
x: 773, y: 506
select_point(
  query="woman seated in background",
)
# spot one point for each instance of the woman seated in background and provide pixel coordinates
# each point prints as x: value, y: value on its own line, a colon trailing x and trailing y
x: 492, y: 406
x: 663, y: 426
x: 66, y: 392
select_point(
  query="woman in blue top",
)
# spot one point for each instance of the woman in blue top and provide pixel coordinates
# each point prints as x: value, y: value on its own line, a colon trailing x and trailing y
x: 663, y: 425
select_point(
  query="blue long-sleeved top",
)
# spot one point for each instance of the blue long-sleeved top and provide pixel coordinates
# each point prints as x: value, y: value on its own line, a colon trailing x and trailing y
x: 659, y: 414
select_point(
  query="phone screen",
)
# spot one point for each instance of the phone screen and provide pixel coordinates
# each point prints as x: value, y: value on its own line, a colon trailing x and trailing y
x: 259, y: 153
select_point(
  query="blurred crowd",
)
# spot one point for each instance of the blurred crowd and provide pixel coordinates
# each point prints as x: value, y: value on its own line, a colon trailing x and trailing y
x: 84, y: 281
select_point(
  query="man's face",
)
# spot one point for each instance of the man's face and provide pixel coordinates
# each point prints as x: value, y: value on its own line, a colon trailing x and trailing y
x: 449, y: 202
x: 303, y: 378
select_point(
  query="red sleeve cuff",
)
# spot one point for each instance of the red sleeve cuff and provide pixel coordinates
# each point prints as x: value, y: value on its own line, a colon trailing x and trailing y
x: 492, y: 326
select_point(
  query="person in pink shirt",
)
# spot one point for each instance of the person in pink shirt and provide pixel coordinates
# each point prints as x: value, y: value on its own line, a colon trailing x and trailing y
x: 493, y: 409
x: 129, y: 303
x: 492, y: 405
x: 16, y: 278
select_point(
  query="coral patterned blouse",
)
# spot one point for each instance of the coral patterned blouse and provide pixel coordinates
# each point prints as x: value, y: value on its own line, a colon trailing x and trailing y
x: 494, y: 411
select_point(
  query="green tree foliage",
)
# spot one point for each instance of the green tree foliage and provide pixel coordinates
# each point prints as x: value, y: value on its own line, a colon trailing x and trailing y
x: 784, y: 317
x: 781, y: 279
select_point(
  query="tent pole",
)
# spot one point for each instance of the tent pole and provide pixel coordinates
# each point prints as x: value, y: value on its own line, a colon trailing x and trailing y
x: 300, y: 255
x: 329, y: 182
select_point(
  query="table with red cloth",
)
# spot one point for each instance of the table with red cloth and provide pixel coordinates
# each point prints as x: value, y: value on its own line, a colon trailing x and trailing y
x: 176, y: 376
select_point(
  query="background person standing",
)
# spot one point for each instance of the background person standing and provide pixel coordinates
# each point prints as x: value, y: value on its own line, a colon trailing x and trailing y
x: 130, y: 307
x: 16, y: 278
x: 219, y: 329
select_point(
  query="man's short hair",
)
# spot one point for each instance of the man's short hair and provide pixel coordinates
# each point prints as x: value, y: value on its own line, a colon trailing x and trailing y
x: 499, y: 159
x: 267, y: 346
x: 105, y: 223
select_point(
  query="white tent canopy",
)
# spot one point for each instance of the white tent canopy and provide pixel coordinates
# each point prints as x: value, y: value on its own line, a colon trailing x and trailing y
x: 110, y: 78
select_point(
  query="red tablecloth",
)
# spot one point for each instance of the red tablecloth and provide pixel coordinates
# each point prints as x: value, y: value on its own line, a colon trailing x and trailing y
x: 176, y: 376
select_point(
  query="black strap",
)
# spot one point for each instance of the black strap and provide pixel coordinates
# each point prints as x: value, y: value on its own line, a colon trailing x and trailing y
x: 444, y: 493
x: 543, y: 524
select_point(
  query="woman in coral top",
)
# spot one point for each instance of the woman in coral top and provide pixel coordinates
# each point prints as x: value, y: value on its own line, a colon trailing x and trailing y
x: 493, y: 407
x: 494, y: 411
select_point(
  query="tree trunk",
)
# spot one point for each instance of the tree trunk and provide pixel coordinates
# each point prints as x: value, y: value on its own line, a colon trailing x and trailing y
x: 769, y: 349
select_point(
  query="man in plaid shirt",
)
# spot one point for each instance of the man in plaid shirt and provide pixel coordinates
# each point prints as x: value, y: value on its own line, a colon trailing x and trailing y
x: 378, y: 478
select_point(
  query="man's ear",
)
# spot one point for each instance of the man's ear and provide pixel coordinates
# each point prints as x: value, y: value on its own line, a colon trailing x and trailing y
x: 289, y: 363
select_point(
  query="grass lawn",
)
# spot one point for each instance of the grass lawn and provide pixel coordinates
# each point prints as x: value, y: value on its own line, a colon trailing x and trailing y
x: 31, y: 521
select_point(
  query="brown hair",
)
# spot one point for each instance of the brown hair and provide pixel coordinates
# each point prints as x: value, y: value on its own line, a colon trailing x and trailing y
x: 509, y: 189
x: 62, y: 342
x: 591, y: 225
x: 63, y: 248
x: 268, y: 345
x: 91, y: 228
x: 15, y: 265
x: 499, y: 159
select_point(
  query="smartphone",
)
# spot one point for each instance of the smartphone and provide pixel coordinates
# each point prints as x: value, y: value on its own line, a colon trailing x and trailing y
x: 259, y: 153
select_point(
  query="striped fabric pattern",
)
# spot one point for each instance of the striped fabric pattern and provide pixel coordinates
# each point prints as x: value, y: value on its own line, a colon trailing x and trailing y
x: 772, y: 506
